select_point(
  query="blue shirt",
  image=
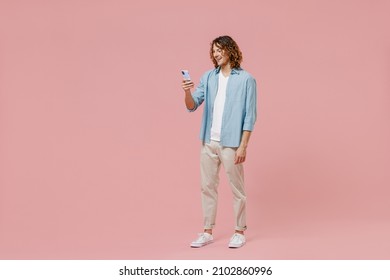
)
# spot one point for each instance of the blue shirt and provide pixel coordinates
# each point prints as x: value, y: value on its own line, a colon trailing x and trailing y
x: 240, y: 107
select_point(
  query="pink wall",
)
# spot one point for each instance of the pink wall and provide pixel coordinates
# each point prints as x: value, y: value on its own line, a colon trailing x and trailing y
x: 99, y: 158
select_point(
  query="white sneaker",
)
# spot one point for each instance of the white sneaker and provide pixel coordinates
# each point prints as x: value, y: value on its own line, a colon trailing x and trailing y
x: 237, y: 241
x: 203, y: 239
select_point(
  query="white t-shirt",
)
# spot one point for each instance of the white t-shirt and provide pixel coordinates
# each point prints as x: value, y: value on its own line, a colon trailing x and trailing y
x: 219, y: 105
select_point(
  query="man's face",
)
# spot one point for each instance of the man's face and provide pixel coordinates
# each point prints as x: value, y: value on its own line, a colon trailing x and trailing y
x: 220, y: 55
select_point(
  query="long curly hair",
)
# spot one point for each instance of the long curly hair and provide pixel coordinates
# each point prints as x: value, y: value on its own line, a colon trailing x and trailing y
x: 226, y: 43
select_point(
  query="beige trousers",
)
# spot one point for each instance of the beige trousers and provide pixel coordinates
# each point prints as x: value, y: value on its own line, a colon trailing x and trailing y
x: 212, y: 155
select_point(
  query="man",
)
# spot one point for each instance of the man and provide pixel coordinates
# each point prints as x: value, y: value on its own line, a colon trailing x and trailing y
x: 229, y: 116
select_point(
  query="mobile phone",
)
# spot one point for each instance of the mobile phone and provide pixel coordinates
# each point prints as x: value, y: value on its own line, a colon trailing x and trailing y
x: 186, y: 75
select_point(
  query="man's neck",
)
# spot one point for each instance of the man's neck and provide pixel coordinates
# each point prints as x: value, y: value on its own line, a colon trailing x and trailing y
x: 226, y: 69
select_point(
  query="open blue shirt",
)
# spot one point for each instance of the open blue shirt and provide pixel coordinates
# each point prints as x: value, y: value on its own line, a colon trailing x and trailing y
x: 240, y: 107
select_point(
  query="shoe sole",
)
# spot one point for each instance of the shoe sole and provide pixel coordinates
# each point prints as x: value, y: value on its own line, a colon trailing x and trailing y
x: 236, y: 246
x: 201, y: 245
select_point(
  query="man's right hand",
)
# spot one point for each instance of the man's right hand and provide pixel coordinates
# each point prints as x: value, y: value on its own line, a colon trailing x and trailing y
x: 187, y: 85
x: 189, y: 101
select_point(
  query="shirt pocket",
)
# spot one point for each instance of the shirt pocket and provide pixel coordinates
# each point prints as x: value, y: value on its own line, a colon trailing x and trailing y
x: 237, y: 94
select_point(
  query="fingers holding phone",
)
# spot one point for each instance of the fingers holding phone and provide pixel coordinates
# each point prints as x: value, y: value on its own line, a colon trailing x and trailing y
x: 187, y: 85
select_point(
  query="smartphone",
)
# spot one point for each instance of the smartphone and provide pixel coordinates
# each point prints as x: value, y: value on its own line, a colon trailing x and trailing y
x: 186, y: 75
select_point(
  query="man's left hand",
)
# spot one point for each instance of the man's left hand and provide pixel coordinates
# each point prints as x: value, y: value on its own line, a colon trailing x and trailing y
x: 240, y: 155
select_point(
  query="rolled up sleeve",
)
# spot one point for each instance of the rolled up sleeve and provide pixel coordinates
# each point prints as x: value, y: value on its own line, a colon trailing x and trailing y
x: 250, y: 105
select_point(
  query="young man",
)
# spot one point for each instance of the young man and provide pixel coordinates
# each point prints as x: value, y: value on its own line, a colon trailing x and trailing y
x: 229, y: 115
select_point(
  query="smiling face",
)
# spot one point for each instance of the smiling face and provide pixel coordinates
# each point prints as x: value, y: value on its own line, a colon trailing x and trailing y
x: 224, y: 51
x: 220, y: 55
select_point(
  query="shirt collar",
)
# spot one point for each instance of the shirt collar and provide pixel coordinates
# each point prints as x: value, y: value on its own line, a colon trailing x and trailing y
x: 234, y: 70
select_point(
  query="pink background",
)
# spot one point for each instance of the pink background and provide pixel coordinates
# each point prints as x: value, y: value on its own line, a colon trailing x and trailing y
x: 99, y: 158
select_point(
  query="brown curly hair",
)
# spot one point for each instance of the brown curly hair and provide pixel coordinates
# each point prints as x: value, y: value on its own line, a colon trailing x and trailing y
x: 226, y: 43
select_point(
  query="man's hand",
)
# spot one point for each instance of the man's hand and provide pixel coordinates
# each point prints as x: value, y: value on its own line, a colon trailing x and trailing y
x: 189, y: 101
x: 241, y: 150
x: 187, y: 85
x: 240, y: 155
